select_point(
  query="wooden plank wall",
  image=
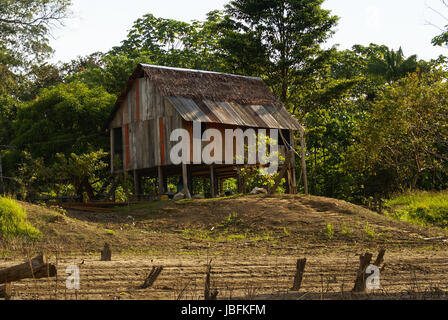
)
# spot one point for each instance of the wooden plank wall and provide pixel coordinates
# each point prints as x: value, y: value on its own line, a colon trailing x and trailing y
x: 147, y: 120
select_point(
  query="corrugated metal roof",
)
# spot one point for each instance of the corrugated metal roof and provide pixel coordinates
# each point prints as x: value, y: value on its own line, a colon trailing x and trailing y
x: 214, y: 97
x: 235, y: 114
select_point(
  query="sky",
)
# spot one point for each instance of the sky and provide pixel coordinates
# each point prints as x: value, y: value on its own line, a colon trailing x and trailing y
x: 98, y: 25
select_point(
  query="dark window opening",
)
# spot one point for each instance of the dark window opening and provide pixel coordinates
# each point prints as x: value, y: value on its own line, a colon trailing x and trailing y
x: 203, y: 128
x: 286, y: 135
x: 118, y: 146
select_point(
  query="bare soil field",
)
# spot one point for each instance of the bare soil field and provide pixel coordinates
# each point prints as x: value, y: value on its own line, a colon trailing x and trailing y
x: 253, y: 241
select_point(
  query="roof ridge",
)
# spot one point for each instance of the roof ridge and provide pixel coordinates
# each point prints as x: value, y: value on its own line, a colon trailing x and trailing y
x: 199, y: 71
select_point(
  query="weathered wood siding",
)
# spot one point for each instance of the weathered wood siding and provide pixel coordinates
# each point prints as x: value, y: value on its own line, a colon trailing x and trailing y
x: 147, y: 120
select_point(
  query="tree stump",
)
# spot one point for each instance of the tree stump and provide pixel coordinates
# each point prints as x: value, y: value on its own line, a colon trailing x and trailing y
x: 151, y: 277
x: 300, y: 268
x: 106, y: 254
x: 35, y: 268
x: 208, y: 293
x: 360, y: 282
x: 6, y: 291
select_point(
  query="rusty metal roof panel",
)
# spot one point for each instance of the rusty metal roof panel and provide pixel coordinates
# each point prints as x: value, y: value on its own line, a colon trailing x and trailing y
x: 266, y: 116
x: 244, y: 118
x: 188, y: 109
x: 256, y: 118
x: 232, y: 111
x: 220, y: 112
x: 234, y: 114
x: 288, y: 119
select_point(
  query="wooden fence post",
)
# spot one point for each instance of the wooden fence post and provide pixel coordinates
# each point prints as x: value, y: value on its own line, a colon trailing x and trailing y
x: 300, y: 269
x: 106, y: 253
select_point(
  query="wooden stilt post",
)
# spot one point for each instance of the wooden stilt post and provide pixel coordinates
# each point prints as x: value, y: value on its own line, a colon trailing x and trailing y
x: 137, y: 185
x: 213, y: 181
x: 190, y: 180
x: 160, y: 178
x: 303, y: 145
x: 293, y: 183
x: 288, y: 181
x: 185, y: 180
x: 204, y: 183
x: 165, y: 183
x: 221, y: 186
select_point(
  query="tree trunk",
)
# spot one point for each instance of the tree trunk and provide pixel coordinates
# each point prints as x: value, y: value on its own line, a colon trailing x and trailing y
x: 89, y: 189
x: 282, y: 172
x: 414, y: 181
x: 36, y: 268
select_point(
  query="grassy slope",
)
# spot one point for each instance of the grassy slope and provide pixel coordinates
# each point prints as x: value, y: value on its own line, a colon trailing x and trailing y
x: 423, y: 208
x: 245, y: 225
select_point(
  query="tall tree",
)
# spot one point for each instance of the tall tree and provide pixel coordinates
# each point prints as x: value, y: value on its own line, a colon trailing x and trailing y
x: 392, y: 65
x: 64, y: 119
x: 407, y: 129
x: 174, y: 43
x: 25, y: 26
x: 280, y: 40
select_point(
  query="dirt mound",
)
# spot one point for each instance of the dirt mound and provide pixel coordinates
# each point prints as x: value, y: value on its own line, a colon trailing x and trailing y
x: 252, y: 223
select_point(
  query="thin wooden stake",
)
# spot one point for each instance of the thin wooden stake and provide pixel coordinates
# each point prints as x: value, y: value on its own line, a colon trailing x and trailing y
x: 208, y: 293
x: 151, y: 277
x: 300, y: 268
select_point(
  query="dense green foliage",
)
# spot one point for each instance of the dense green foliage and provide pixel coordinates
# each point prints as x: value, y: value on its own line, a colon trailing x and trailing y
x: 13, y: 221
x: 376, y: 119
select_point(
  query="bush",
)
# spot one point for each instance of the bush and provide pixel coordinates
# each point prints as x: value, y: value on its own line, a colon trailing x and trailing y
x: 13, y: 221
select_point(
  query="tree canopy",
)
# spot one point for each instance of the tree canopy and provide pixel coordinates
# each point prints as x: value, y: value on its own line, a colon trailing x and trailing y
x: 376, y: 119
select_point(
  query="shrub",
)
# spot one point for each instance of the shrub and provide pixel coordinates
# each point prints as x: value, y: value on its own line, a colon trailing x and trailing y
x: 329, y: 231
x: 13, y: 221
x: 230, y: 221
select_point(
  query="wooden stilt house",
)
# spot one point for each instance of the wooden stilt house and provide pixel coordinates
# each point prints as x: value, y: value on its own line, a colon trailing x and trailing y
x: 158, y: 100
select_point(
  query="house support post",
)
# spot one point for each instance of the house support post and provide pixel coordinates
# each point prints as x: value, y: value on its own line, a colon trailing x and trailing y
x: 185, y: 180
x: 137, y: 185
x: 292, y: 180
x: 161, y: 189
x: 213, y: 182
x: 303, y: 147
